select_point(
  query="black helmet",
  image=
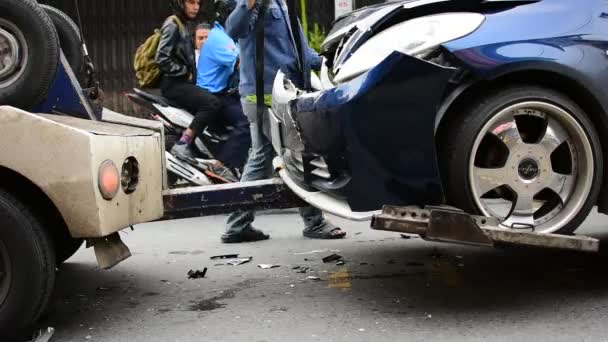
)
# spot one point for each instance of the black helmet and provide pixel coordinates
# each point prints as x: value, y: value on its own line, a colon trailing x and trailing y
x: 223, y: 8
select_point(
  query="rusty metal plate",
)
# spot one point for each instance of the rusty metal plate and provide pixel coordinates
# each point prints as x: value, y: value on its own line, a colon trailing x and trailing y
x: 446, y: 224
x: 457, y: 227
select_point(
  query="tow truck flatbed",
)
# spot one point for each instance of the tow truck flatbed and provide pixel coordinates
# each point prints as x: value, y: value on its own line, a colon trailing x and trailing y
x: 445, y: 224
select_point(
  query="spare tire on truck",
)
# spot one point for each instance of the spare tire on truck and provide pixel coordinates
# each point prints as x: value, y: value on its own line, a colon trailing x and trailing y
x: 29, y: 53
x: 69, y: 39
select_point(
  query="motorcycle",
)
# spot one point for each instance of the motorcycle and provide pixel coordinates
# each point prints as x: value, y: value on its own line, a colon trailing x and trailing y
x: 175, y: 121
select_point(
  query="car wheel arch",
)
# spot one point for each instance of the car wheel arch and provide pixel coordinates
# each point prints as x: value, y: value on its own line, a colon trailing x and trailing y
x: 575, y: 89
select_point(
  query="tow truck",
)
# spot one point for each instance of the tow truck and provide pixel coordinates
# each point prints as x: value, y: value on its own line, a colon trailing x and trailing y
x: 72, y: 171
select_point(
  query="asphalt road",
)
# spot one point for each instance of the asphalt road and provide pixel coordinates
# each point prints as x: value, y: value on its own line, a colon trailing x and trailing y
x: 389, y: 289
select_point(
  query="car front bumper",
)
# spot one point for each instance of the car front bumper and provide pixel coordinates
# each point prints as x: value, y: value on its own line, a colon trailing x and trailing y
x: 365, y: 143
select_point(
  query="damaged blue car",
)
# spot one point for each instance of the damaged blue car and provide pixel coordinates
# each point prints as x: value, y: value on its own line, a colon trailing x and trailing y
x: 497, y: 107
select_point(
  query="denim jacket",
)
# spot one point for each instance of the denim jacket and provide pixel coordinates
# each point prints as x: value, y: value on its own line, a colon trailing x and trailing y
x: 279, y: 45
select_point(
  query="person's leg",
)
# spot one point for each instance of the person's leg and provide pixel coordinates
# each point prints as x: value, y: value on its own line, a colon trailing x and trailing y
x: 235, y: 151
x: 259, y: 166
x: 316, y: 226
x: 201, y: 103
x: 207, y: 107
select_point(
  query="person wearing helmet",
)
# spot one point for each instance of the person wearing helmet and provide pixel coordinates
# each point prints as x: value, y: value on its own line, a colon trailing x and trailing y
x: 177, y: 63
x: 217, y: 65
x: 280, y: 52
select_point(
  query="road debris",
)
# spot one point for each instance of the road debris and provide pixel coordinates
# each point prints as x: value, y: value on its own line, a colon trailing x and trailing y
x: 361, y: 330
x: 88, y: 337
x: 301, y: 269
x: 358, y: 233
x: 103, y: 288
x: 326, y: 250
x: 225, y: 256
x: 340, y: 262
x: 333, y: 257
x: 313, y: 278
x: 268, y: 266
x: 197, y: 274
x: 43, y: 335
x: 236, y: 262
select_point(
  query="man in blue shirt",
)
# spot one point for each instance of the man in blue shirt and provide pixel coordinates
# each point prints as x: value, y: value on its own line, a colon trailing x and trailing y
x: 216, y: 66
x: 218, y: 60
x: 280, y: 52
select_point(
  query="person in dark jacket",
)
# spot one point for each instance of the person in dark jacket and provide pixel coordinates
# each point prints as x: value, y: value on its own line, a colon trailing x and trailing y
x: 176, y: 59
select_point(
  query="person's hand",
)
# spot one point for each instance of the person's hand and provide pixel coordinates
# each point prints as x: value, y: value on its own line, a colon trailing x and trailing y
x: 250, y: 3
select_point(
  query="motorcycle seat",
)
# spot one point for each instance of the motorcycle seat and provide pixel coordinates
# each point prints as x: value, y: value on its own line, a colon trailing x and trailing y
x: 151, y: 95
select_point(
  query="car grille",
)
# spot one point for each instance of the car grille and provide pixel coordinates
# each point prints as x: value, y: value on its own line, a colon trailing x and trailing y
x: 319, y: 166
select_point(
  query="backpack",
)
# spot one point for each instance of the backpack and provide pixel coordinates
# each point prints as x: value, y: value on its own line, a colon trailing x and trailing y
x: 147, y: 71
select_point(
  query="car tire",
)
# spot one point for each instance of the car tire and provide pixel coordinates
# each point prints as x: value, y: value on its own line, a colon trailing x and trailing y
x: 69, y: 39
x: 65, y: 246
x: 31, y: 61
x: 27, y: 262
x: 525, y: 154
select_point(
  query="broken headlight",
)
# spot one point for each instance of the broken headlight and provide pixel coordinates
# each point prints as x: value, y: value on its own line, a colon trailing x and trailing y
x: 414, y: 37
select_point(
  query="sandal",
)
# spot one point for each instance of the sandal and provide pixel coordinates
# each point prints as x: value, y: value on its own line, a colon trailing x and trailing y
x: 324, y: 231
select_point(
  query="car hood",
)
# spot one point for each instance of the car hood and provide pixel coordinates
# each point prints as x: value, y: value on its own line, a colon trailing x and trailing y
x: 350, y: 31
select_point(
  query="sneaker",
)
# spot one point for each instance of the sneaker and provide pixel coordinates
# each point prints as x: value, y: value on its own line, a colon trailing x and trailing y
x: 183, y: 151
x: 246, y: 235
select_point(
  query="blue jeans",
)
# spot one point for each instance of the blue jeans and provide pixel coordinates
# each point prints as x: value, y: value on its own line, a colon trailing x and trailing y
x: 259, y: 166
x: 234, y: 152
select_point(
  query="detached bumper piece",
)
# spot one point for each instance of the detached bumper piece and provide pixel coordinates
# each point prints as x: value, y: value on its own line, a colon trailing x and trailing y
x: 444, y: 224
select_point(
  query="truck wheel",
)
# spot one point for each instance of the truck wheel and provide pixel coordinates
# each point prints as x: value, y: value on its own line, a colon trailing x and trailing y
x: 65, y: 246
x: 527, y: 155
x: 29, y: 53
x: 69, y: 38
x: 27, y: 268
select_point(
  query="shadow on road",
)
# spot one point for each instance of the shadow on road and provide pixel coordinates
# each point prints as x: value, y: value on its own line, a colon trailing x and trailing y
x: 423, y: 278
x: 398, y: 277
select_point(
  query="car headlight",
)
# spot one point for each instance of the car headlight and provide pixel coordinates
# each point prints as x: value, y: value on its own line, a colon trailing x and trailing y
x: 412, y: 37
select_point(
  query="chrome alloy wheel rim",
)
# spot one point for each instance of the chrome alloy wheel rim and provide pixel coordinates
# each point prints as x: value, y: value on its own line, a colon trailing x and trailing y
x: 532, y: 167
x: 13, y: 53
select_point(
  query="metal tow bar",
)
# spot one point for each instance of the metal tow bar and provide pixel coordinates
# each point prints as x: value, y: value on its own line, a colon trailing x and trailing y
x: 226, y: 198
x: 445, y: 224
